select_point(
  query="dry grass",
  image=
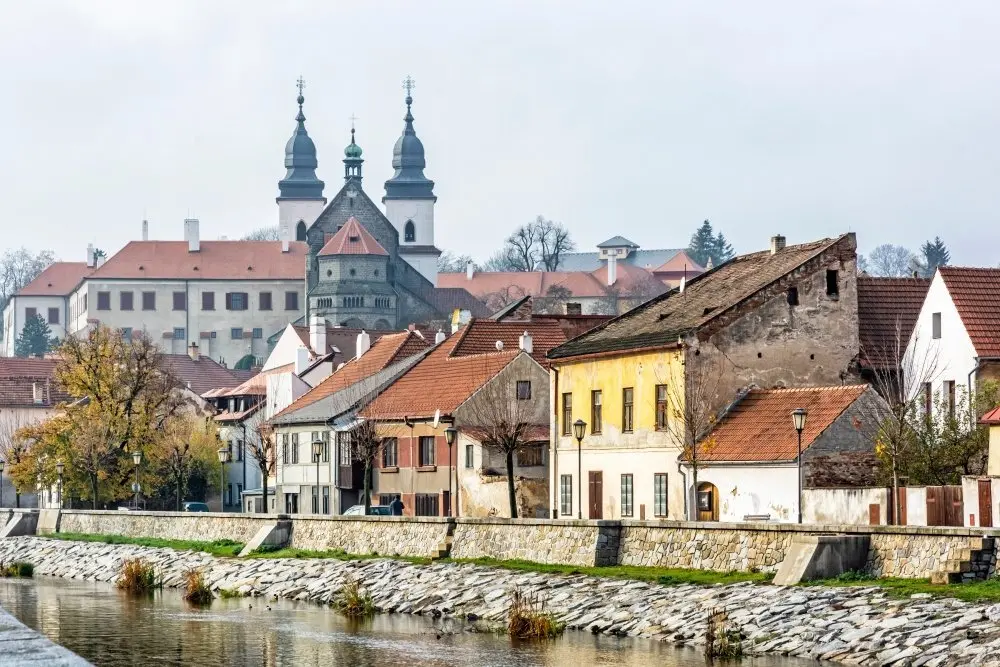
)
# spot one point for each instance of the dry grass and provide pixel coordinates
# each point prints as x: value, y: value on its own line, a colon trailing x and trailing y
x: 527, y: 618
x: 722, y: 640
x: 17, y: 569
x: 351, y: 600
x: 196, y: 591
x: 138, y: 576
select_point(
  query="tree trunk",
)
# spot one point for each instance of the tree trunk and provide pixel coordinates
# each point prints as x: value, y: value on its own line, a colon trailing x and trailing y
x: 895, y: 493
x: 693, y: 494
x: 93, y: 488
x: 178, y: 495
x: 17, y: 498
x: 368, y: 486
x: 511, y: 494
x: 263, y: 490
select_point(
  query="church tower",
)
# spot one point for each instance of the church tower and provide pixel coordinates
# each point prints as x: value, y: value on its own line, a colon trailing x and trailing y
x: 409, y: 198
x: 300, y: 192
x: 352, y: 160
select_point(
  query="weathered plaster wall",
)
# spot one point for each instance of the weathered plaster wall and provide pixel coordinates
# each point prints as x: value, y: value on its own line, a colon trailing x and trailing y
x: 754, y: 490
x: 843, y: 506
x: 844, y: 454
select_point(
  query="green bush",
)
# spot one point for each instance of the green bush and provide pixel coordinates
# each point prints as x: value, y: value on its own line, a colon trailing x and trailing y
x: 352, y: 601
x: 17, y: 569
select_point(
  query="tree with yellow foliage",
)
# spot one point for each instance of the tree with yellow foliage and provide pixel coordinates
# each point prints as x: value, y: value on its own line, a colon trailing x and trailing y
x: 187, y: 448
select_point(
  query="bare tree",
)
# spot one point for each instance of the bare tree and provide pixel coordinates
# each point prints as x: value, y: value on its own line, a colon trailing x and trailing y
x: 272, y: 233
x: 536, y: 246
x: 260, y: 449
x: 18, y: 268
x: 553, y: 241
x: 13, y: 446
x: 450, y: 262
x: 503, y: 297
x: 890, y: 261
x: 522, y: 247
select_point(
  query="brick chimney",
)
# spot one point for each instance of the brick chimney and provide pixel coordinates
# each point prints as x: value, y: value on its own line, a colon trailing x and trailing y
x: 193, y: 351
x: 777, y: 243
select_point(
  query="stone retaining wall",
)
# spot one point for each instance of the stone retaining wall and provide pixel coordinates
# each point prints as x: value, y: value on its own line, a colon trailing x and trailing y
x: 388, y: 536
x: 720, y: 547
x: 204, y: 526
x: 559, y: 542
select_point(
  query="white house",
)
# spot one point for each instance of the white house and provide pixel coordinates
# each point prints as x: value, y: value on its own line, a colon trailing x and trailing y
x: 47, y: 296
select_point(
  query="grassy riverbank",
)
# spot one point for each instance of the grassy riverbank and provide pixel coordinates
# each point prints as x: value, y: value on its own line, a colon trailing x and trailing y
x: 224, y: 548
x: 975, y: 591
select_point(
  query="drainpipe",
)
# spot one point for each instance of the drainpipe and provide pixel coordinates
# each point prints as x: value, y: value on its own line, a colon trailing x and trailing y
x: 554, y: 490
x: 243, y: 457
x: 968, y: 385
x: 684, y: 477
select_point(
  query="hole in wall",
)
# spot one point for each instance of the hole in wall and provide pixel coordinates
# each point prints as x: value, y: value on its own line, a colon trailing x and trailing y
x: 760, y: 355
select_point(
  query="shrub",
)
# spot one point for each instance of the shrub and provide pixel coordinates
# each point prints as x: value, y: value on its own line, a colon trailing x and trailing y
x: 138, y: 577
x: 722, y: 640
x: 17, y: 569
x: 352, y: 601
x: 196, y: 591
x: 853, y: 575
x: 228, y: 593
x: 527, y: 618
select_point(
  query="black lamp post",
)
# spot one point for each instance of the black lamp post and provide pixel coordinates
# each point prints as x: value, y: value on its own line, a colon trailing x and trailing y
x: 579, y: 428
x: 59, y: 471
x: 317, y: 451
x: 223, y: 453
x: 136, y: 459
x: 799, y: 421
x: 1, y: 481
x: 450, y: 435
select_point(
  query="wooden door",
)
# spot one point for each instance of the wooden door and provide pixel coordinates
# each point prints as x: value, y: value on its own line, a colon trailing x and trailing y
x: 953, y: 506
x: 596, y: 497
x: 902, y: 506
x: 935, y: 495
x: 874, y: 514
x: 708, y: 502
x: 985, y: 503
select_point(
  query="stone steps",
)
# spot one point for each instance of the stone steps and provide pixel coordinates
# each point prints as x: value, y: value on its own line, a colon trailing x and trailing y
x: 975, y: 562
x: 444, y: 548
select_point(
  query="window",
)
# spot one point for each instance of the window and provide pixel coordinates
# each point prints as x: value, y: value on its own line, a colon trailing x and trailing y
x: 530, y: 455
x: 949, y: 390
x: 626, y: 501
x: 258, y: 333
x: 928, y: 399
x: 239, y: 450
x: 325, y: 449
x: 53, y: 316
x: 236, y: 333
x: 470, y: 456
x: 595, y: 411
x: 344, y: 448
x: 30, y: 313
x: 239, y: 494
x: 832, y: 285
x: 524, y: 390
x: 409, y: 232
x: 179, y: 333
x: 126, y: 333
x: 284, y: 448
x: 326, y: 500
x: 236, y: 300
x: 208, y: 300
x: 426, y: 450
x: 426, y: 504
x: 661, y: 407
x: 390, y: 453
x: 574, y: 308
x: 935, y: 325
x: 292, y: 503
x: 291, y: 300
x: 567, y: 416
x: 793, y: 296
x: 180, y: 301
x: 125, y: 301
x: 660, y: 494
x: 104, y: 301
x: 566, y: 495
x: 315, y: 500
x: 149, y: 300
x: 229, y: 494
x: 627, y: 410
x: 352, y: 272
x: 265, y: 301
x: 295, y: 448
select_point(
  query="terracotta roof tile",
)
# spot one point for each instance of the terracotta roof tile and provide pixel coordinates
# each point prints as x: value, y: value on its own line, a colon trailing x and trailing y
x: 976, y: 295
x: 759, y: 427
x: 991, y: 417
x: 202, y: 375
x: 480, y: 337
x: 887, y: 312
x: 18, y: 378
x: 59, y: 279
x: 352, y: 239
x: 216, y: 260
x: 343, y: 338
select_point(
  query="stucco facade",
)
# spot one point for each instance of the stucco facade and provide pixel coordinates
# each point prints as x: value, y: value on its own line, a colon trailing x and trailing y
x: 53, y: 309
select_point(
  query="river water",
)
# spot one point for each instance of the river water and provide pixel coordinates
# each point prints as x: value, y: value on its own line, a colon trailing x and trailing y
x: 111, y: 629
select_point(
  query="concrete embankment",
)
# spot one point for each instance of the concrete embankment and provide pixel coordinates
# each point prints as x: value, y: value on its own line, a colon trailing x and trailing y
x: 20, y: 646
x: 849, y: 625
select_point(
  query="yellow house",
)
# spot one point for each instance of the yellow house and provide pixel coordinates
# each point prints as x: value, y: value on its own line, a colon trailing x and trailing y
x: 653, y: 379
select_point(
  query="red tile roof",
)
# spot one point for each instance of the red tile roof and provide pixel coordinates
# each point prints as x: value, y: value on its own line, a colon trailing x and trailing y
x: 216, y: 260
x: 976, y: 295
x: 33, y: 367
x: 887, y: 312
x: 352, y: 239
x: 201, y: 375
x: 343, y: 338
x: 515, y: 284
x: 59, y: 279
x: 18, y: 378
x: 991, y: 417
x: 441, y: 381
x: 384, y: 352
x: 481, y: 336
x: 759, y: 427
x: 680, y: 263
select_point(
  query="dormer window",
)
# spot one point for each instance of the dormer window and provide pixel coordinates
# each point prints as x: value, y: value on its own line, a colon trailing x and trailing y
x: 409, y: 232
x: 37, y: 393
x: 354, y: 239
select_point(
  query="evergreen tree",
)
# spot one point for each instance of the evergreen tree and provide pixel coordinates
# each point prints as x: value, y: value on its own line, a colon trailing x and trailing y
x: 933, y: 254
x: 703, y: 244
x: 723, y: 251
x: 35, y: 339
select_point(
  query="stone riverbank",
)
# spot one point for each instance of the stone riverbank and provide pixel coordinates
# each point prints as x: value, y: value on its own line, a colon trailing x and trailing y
x: 849, y: 625
x: 20, y: 646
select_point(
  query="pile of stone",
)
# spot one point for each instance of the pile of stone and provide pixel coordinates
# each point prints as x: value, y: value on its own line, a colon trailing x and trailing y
x: 856, y: 625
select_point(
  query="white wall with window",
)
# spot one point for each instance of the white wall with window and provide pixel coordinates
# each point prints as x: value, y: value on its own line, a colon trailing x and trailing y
x: 52, y: 309
x: 302, y: 486
x: 482, y: 477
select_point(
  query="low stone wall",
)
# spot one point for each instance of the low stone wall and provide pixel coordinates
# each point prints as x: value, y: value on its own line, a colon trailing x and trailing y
x: 203, y: 526
x: 917, y: 554
x: 720, y: 547
x: 388, y: 536
x: 560, y: 542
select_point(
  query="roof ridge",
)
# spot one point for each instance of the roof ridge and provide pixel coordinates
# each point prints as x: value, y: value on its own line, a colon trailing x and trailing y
x: 789, y: 390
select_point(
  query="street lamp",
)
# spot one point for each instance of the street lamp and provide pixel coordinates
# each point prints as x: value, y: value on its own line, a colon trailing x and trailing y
x: 450, y: 435
x: 60, y: 466
x: 223, y: 453
x: 317, y: 450
x: 137, y: 459
x: 1, y: 481
x: 579, y: 428
x: 799, y: 421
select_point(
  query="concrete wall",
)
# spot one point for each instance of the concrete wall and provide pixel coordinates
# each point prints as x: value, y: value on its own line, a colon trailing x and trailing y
x: 844, y: 506
x: 970, y: 500
x: 754, y: 490
x: 388, y: 536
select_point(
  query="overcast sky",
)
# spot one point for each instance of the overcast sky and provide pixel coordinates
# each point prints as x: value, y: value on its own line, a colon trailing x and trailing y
x: 642, y: 119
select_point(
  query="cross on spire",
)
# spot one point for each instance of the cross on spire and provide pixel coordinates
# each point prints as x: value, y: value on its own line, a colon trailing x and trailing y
x: 301, y: 83
x: 409, y: 84
x: 353, y: 118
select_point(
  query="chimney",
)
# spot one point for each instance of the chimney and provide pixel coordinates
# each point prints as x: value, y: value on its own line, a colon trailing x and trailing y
x: 90, y: 256
x: 285, y: 236
x: 612, y: 270
x: 317, y: 334
x: 777, y: 243
x: 193, y: 351
x: 191, y: 234
x: 439, y: 337
x: 145, y: 230
x: 470, y: 270
x: 709, y: 265
x: 363, y: 345
x: 683, y: 282
x: 525, y: 343
x: 301, y: 360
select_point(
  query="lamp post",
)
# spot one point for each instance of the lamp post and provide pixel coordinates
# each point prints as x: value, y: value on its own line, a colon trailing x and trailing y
x: 317, y: 451
x: 1, y: 481
x: 60, y: 466
x: 450, y: 435
x: 579, y: 428
x: 799, y: 421
x: 223, y: 457
x: 136, y: 459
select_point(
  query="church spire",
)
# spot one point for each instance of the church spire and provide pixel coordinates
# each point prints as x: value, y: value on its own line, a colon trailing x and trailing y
x: 352, y: 158
x: 300, y: 181
x: 408, y: 180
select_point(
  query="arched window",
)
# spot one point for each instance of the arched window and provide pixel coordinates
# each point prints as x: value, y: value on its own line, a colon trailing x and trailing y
x: 409, y: 232
x: 300, y: 231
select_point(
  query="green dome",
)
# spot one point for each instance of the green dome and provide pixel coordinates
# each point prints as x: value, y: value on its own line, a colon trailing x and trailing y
x: 352, y: 150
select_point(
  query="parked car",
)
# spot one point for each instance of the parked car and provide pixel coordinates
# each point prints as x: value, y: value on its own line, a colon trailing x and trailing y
x: 195, y: 507
x: 374, y: 510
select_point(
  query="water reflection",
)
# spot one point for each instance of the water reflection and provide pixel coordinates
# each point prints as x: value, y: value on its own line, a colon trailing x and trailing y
x: 113, y: 630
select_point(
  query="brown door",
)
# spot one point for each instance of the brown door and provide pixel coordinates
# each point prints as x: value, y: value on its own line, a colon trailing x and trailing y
x: 708, y: 502
x: 985, y: 503
x: 596, y: 494
x: 902, y: 506
x: 874, y: 514
x: 935, y: 495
